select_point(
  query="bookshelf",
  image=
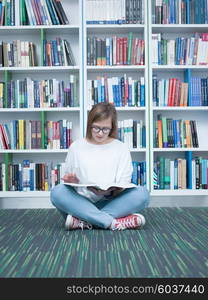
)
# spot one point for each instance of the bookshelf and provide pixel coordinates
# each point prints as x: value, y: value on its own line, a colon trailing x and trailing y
x: 184, y: 73
x: 71, y: 32
x: 77, y: 33
x: 116, y: 68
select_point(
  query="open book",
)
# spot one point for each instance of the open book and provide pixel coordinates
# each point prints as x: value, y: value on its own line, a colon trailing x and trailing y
x: 103, y: 186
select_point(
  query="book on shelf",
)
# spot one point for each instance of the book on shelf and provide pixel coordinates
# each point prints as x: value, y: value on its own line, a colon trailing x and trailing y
x: 179, y: 12
x: 57, y: 52
x: 181, y: 50
x: 121, y: 91
x: 115, y: 50
x: 181, y: 173
x: 115, y: 12
x: 42, y: 12
x: 170, y: 133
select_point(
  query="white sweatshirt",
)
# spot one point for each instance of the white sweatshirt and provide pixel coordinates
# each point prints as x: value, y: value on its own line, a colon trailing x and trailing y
x: 107, y: 163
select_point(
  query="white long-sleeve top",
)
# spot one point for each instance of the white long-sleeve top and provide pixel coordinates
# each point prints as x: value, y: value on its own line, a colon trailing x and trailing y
x: 106, y: 163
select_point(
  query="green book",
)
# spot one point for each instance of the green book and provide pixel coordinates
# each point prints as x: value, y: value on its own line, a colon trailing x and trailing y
x: 167, y: 174
x: 164, y: 132
x: 161, y: 172
x: 130, y: 39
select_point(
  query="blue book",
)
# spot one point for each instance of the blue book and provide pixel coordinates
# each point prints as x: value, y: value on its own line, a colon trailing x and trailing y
x: 52, y: 13
x: 134, y: 178
x: 142, y: 92
x: 188, y: 10
x: 108, y: 48
x: 102, y: 90
x: 204, y: 173
x: 99, y: 90
x: 20, y: 188
x: 31, y: 180
x: 188, y: 80
x: 145, y: 172
x: 143, y: 136
x: 119, y: 92
x: 55, y: 53
x: 114, y: 92
x: 175, y: 174
x: 174, y: 133
x: 129, y: 94
x: 188, y: 155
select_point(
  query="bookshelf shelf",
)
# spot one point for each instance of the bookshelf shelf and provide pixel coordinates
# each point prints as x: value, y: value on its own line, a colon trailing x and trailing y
x: 176, y: 28
x: 29, y: 194
x: 41, y: 69
x: 181, y: 108
x: 175, y: 193
x: 178, y: 67
x: 115, y: 68
x: 167, y: 162
x: 49, y: 109
x: 41, y: 151
x: 180, y: 149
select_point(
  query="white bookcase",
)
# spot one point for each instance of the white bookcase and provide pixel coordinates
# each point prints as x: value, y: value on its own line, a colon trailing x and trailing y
x: 76, y: 33
x: 73, y: 34
x: 198, y: 113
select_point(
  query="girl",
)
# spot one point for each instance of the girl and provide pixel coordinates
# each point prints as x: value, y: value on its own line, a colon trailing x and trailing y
x: 100, y: 158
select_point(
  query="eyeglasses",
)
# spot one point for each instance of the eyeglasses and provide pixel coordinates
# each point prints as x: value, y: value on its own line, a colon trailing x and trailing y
x: 105, y: 130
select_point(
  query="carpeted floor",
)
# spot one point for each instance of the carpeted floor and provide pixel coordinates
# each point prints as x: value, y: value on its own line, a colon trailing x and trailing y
x: 173, y: 243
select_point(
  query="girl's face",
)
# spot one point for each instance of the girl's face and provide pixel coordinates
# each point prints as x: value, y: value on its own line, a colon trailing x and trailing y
x: 100, y: 131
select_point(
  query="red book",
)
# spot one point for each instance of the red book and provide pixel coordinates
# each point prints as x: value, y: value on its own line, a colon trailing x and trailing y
x: 173, y: 91
x: 134, y: 50
x: 2, y: 137
x: 117, y: 51
x: 121, y: 52
x: 125, y: 50
x: 170, y: 91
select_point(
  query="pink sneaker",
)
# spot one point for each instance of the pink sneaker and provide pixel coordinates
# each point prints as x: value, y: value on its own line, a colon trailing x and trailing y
x: 75, y: 223
x: 130, y: 222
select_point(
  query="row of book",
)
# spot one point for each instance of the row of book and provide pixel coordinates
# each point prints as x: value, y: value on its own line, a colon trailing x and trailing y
x: 30, y: 176
x: 115, y: 50
x: 121, y: 91
x: 174, y: 92
x: 139, y: 173
x: 181, y: 173
x: 115, y: 11
x: 45, y: 12
x: 29, y: 93
x: 181, y: 50
x: 57, y: 52
x: 169, y: 133
x: 179, y: 12
x: 132, y: 133
x: 33, y: 134
x: 7, y: 13
x: 17, y: 54
x: 32, y: 12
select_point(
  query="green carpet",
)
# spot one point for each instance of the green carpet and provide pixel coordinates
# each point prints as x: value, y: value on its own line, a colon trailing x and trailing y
x: 173, y: 243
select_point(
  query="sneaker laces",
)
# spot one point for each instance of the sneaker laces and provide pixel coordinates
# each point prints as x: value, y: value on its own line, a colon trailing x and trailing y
x: 81, y: 224
x: 123, y: 223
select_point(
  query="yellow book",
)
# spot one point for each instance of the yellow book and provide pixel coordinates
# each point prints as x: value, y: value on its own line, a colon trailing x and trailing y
x: 21, y: 134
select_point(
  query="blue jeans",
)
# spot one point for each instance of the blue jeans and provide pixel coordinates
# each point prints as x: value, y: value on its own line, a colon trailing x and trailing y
x: 101, y: 214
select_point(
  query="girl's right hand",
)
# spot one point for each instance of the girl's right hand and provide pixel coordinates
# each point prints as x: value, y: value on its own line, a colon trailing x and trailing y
x: 70, y: 178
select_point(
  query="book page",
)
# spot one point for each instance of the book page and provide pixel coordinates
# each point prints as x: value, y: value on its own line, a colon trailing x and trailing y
x: 103, y: 186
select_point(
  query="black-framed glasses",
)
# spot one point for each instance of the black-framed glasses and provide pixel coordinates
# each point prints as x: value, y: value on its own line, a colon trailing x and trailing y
x: 97, y: 129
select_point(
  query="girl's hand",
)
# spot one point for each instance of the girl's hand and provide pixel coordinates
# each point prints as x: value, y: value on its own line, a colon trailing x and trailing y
x: 70, y: 178
x: 97, y: 191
